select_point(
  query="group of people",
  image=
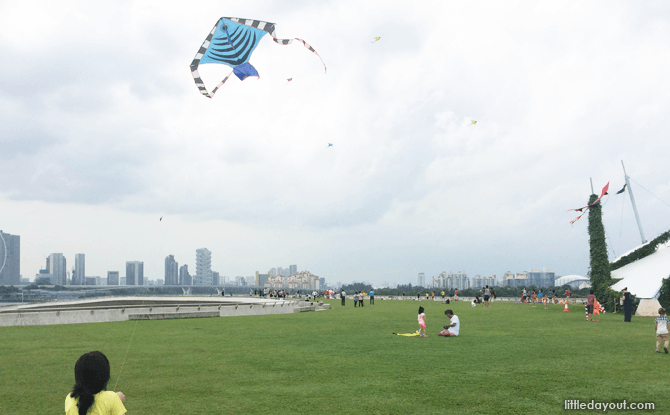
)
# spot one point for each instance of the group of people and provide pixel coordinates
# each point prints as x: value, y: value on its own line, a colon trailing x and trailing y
x: 450, y: 330
x: 625, y: 300
x: 430, y: 295
x: 359, y: 298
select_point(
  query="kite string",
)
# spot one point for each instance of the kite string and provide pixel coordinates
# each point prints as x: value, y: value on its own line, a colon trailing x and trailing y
x: 132, y: 336
x: 126, y: 355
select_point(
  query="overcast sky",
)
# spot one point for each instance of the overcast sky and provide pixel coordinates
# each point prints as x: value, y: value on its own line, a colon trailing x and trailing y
x: 103, y: 132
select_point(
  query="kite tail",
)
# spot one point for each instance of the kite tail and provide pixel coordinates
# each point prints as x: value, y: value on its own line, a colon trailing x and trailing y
x: 289, y: 41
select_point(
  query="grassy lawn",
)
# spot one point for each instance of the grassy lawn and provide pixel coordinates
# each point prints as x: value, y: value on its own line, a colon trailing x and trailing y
x: 508, y: 359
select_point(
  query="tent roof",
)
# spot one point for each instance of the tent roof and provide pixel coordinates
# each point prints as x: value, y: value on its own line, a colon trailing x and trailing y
x: 644, y: 277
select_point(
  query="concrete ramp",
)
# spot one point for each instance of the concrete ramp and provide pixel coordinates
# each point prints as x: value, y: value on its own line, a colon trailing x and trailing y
x: 168, y: 316
x: 108, y: 309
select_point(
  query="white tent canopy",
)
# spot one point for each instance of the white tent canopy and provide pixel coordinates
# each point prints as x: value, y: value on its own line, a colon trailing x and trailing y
x: 645, y: 276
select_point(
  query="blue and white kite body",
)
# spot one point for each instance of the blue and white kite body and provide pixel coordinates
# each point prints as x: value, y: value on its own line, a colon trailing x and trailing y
x: 231, y: 42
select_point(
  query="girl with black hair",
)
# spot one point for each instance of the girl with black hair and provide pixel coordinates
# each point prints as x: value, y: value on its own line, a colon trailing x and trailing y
x: 422, y: 323
x: 88, y: 396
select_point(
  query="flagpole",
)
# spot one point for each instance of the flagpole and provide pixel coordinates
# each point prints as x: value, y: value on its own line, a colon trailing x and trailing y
x: 632, y: 200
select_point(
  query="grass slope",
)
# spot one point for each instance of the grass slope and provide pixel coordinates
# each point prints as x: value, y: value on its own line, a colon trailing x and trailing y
x: 509, y: 359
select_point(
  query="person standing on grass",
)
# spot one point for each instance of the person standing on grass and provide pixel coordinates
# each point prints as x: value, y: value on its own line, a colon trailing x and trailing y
x: 372, y: 297
x: 355, y: 299
x: 452, y: 329
x: 451, y: 293
x: 418, y: 296
x: 456, y: 294
x: 343, y: 296
x: 493, y: 294
x: 590, y: 302
x: 88, y: 396
x: 661, y: 327
x: 523, y: 295
x: 442, y: 295
x: 487, y: 295
x: 533, y: 297
x: 567, y: 295
x: 627, y: 305
x: 361, y: 297
x: 422, y: 323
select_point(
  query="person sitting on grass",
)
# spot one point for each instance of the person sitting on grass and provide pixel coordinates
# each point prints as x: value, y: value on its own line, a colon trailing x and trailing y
x: 91, y: 374
x: 661, y: 327
x: 452, y: 329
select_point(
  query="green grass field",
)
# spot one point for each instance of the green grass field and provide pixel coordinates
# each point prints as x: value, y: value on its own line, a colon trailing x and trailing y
x: 508, y: 359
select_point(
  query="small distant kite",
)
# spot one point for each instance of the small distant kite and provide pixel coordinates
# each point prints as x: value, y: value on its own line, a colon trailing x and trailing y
x: 161, y: 219
x: 473, y: 122
x: 330, y: 144
x: 376, y: 40
x: 231, y: 42
x: 586, y: 208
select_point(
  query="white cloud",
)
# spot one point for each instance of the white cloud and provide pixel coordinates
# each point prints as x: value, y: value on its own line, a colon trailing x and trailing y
x: 100, y: 119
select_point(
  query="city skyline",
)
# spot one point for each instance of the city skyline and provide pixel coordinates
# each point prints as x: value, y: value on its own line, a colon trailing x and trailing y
x: 130, y: 162
x: 173, y: 274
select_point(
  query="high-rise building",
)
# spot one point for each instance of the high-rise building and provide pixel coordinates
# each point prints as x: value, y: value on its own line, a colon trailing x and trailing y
x: 57, y: 269
x: 184, y: 276
x: 171, y: 271
x: 134, y: 273
x: 203, y: 267
x: 112, y: 277
x: 10, y: 259
x: 292, y: 269
x: 421, y: 280
x: 216, y: 278
x: 79, y: 276
x: 541, y: 279
x: 459, y: 280
x: 261, y: 279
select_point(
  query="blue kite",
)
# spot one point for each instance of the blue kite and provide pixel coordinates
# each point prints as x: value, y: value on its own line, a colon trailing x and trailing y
x: 231, y: 42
